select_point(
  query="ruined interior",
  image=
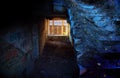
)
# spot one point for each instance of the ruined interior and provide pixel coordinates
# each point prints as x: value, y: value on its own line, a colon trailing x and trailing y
x: 60, y: 39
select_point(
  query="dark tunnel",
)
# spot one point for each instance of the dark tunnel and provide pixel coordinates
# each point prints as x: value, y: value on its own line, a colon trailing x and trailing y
x: 60, y: 39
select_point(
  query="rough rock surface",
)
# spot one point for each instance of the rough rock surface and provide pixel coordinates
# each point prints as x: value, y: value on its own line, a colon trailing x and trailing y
x: 91, y: 24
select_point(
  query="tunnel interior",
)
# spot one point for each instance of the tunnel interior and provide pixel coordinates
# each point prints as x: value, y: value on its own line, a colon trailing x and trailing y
x: 60, y: 39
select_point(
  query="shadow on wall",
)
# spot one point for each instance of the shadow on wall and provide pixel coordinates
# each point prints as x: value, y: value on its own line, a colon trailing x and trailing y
x: 19, y: 48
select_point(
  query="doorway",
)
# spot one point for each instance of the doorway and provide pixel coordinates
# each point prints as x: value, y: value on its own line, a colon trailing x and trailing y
x: 58, y: 27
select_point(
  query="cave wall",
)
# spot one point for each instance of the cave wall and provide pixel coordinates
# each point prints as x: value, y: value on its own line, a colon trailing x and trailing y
x: 93, y: 28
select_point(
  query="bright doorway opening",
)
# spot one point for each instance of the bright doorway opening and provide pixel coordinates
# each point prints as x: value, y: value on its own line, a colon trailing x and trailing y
x: 58, y: 27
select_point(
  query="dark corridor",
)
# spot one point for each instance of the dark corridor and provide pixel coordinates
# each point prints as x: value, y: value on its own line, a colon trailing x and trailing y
x: 26, y: 51
x: 58, y: 60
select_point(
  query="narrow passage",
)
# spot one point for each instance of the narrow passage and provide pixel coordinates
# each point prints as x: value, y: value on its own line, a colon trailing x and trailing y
x: 57, y: 61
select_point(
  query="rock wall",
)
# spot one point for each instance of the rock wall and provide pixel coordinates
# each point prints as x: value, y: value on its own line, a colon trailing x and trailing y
x: 93, y: 25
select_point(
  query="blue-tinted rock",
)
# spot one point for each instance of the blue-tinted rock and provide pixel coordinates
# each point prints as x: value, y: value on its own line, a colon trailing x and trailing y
x: 76, y: 32
x: 101, y: 21
x: 110, y: 28
x: 95, y: 11
x: 77, y: 41
x: 103, y: 38
x: 98, y: 18
x: 72, y: 24
x: 86, y: 6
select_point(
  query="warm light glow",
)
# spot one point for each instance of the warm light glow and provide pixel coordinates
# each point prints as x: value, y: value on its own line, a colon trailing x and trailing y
x: 58, y: 27
x: 58, y: 23
x: 65, y: 22
x: 50, y: 22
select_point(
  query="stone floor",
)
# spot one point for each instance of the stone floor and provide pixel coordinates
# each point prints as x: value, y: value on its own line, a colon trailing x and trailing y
x: 57, y: 61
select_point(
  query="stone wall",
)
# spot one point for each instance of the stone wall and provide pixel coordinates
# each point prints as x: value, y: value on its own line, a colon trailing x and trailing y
x: 18, y: 49
x: 42, y: 34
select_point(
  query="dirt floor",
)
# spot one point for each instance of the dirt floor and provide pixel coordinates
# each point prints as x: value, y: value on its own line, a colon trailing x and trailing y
x: 57, y: 61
